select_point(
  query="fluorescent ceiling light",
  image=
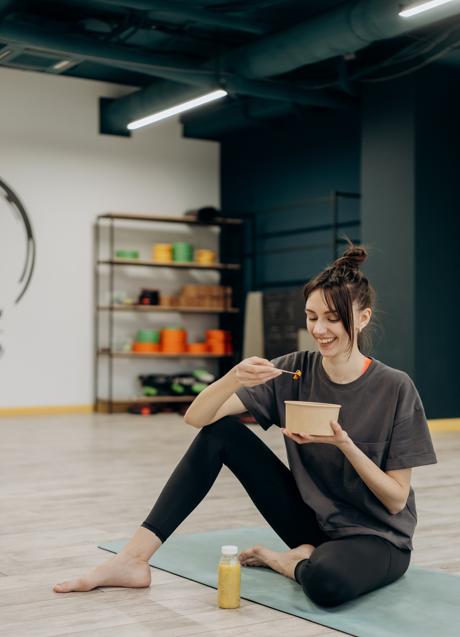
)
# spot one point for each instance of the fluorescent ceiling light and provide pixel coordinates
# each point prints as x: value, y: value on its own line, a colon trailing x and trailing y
x: 175, y: 110
x: 62, y: 65
x: 420, y: 7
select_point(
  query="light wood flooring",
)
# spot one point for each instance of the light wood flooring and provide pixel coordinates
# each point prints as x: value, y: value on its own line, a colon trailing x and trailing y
x: 69, y: 483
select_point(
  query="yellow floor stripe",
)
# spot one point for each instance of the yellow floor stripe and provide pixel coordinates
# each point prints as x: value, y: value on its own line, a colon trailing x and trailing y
x: 436, y: 425
x: 46, y: 410
x: 444, y: 424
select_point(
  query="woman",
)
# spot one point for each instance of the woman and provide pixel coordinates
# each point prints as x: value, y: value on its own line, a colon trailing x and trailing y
x: 345, y: 507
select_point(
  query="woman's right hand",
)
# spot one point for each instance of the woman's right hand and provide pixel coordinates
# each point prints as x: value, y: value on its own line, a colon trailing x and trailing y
x: 254, y: 371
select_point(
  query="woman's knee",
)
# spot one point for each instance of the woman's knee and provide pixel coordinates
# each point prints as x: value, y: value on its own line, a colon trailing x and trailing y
x: 233, y: 440
x: 227, y: 422
x: 226, y: 428
x: 219, y: 435
x: 324, y: 583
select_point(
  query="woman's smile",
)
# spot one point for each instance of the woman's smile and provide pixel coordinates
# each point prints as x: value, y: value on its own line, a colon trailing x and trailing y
x: 326, y: 342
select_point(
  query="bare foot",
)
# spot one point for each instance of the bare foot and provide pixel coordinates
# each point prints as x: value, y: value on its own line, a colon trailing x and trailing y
x: 283, y: 562
x: 119, y: 570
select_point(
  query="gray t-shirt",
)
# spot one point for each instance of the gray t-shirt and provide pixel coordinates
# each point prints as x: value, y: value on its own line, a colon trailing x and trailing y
x: 383, y: 415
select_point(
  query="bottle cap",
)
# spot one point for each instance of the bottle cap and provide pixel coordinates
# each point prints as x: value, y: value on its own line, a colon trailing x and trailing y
x: 229, y: 549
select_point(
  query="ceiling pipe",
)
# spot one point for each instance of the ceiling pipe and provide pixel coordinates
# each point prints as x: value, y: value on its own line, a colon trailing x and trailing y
x: 182, y: 11
x: 197, y: 78
x: 349, y: 28
x: 227, y: 118
x: 158, y: 64
x: 286, y: 92
x: 114, y: 118
x: 346, y: 29
x: 118, y: 113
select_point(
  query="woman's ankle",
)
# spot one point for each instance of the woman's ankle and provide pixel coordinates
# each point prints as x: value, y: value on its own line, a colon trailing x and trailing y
x: 142, y: 545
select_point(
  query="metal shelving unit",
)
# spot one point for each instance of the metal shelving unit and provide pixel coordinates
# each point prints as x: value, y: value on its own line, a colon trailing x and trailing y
x: 181, y: 266
x: 160, y: 308
x: 230, y: 273
x: 303, y: 234
x: 112, y: 354
x: 290, y: 243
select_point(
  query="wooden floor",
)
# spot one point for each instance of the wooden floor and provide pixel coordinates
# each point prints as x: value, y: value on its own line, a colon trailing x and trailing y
x: 71, y: 482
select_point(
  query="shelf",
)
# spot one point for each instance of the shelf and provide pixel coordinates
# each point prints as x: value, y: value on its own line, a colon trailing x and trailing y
x: 106, y: 352
x: 150, y: 399
x: 153, y: 264
x: 120, y: 405
x: 108, y: 268
x: 128, y: 216
x: 164, y: 308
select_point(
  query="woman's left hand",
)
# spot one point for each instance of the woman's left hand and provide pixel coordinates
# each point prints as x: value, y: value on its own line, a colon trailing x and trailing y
x: 339, y: 438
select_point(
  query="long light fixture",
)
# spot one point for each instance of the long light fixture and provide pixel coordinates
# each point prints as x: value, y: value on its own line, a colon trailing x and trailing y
x: 63, y: 64
x: 4, y: 54
x: 420, y: 7
x: 175, y: 110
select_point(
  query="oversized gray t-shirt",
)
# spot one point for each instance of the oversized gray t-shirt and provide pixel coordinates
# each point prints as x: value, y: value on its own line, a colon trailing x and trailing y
x: 383, y: 415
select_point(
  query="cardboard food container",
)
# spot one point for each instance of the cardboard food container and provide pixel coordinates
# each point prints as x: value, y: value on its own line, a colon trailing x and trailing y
x: 310, y: 418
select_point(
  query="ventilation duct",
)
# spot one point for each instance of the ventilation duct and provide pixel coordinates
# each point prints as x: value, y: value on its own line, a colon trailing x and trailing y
x: 350, y: 27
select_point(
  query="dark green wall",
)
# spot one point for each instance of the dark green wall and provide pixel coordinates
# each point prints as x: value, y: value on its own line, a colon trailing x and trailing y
x: 410, y: 214
x: 289, y: 161
x: 388, y: 216
x: 437, y: 233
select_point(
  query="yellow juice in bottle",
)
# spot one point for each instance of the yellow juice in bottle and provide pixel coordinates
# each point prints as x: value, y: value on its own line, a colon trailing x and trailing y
x: 229, y: 578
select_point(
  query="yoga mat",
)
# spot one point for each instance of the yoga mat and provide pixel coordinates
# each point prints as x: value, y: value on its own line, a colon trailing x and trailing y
x: 421, y: 604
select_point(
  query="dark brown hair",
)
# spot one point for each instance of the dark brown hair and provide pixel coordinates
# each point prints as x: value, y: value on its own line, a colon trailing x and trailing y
x: 343, y: 284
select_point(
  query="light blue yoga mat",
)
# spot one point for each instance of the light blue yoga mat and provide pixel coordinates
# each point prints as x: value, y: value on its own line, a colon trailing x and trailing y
x: 421, y: 604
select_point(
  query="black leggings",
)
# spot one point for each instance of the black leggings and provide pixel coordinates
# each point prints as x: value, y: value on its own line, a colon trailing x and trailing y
x: 337, y: 571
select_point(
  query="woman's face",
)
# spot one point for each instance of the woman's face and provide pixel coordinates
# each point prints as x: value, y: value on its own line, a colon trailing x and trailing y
x: 326, y: 328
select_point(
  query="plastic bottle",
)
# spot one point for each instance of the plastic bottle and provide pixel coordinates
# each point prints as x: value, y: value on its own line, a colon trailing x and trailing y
x: 229, y: 578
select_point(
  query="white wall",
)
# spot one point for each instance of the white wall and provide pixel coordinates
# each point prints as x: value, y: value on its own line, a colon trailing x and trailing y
x: 65, y: 173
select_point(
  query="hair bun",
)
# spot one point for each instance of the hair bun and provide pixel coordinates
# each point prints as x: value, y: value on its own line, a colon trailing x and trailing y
x: 351, y: 259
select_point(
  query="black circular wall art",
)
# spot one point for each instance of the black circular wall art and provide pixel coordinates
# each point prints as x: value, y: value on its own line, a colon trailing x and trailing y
x: 17, y: 249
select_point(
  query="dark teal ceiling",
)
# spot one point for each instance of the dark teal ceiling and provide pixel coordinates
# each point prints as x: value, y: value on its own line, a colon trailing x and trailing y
x: 271, y: 55
x: 187, y: 32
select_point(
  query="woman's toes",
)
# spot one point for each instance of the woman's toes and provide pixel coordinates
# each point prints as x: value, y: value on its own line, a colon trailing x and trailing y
x: 252, y: 561
x: 62, y: 587
x: 253, y: 550
x: 244, y: 555
x: 78, y: 584
x: 254, y: 556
